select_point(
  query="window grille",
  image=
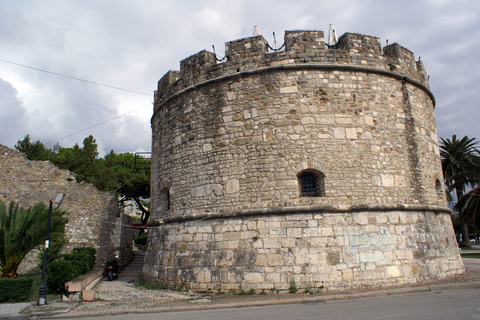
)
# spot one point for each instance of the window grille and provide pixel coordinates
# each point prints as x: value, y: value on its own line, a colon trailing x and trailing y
x: 309, y: 185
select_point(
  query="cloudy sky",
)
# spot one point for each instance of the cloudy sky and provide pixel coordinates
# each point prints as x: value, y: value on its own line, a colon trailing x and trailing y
x: 118, y: 44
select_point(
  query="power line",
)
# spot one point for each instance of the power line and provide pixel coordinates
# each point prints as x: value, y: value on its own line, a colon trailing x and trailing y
x: 98, y: 124
x: 74, y: 78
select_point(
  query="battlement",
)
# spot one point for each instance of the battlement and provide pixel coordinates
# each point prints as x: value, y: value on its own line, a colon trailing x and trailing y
x: 360, y: 44
x: 303, y: 41
x: 301, y: 47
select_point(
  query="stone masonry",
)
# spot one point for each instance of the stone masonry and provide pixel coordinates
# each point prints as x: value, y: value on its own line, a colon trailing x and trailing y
x: 233, y: 142
x: 93, y: 216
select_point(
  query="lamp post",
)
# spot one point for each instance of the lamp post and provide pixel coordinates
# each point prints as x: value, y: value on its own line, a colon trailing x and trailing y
x: 42, y: 292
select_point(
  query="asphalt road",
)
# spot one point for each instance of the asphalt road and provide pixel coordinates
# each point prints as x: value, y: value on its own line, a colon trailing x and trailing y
x: 458, y: 305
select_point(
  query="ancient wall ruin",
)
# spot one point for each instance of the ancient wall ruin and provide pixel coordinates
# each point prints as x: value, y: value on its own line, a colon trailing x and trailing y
x: 234, y: 145
x: 92, y: 215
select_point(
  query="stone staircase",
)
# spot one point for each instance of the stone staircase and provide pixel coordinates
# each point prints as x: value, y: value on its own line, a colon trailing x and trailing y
x: 131, y: 272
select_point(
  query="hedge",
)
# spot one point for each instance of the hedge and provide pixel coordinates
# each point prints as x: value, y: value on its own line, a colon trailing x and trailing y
x: 15, y: 290
x: 83, y: 257
x: 74, y: 264
x: 59, y: 272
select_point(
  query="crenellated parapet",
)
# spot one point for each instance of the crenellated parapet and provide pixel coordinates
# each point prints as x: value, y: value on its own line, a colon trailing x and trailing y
x: 402, y: 60
x: 302, y: 41
x: 302, y: 49
x: 360, y: 45
x: 246, y: 49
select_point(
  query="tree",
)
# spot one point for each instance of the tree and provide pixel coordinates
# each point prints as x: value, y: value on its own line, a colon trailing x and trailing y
x: 23, y: 230
x: 469, y: 203
x: 33, y: 151
x: 85, y: 163
x: 459, y: 157
x: 133, y: 183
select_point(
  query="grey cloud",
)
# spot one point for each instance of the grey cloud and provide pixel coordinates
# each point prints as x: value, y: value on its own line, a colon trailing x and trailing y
x: 12, y: 114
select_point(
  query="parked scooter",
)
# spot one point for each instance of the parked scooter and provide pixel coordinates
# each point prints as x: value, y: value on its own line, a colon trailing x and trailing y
x: 111, y: 269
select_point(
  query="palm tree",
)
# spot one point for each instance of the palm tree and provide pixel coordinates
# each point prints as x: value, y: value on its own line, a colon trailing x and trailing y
x: 22, y: 230
x: 459, y: 157
x: 470, y: 203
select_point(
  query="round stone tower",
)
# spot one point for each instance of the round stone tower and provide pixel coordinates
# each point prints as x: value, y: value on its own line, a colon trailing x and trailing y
x: 310, y: 165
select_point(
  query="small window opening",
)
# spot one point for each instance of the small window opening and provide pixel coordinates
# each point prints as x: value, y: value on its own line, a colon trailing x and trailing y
x: 165, y: 199
x: 311, y: 183
x: 439, y: 188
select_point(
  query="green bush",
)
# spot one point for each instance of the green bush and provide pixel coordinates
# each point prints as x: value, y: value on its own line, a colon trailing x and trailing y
x: 74, y: 264
x: 89, y: 252
x: 59, y: 272
x: 15, y: 290
x: 141, y: 240
x: 84, y: 257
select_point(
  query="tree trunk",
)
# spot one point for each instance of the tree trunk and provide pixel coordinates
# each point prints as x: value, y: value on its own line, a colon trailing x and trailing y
x: 463, y: 224
x: 465, y: 236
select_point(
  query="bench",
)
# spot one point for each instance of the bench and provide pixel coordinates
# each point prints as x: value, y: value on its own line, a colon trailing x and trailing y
x: 85, y: 284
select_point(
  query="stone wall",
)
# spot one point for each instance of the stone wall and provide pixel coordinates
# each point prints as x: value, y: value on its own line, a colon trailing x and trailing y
x: 91, y: 214
x: 320, y: 250
x: 122, y: 238
x: 231, y: 141
x: 224, y: 140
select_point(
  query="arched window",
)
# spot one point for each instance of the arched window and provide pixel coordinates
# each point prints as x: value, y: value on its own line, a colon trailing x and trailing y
x: 312, y: 183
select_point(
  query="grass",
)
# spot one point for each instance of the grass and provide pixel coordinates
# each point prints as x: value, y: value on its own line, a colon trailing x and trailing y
x: 470, y: 253
x: 293, y: 286
x: 36, y: 281
x: 157, y: 285
x: 470, y: 249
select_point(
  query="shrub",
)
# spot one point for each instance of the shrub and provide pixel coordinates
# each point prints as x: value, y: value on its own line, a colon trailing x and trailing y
x: 74, y: 264
x: 84, y: 257
x: 141, y: 240
x: 293, y: 286
x: 15, y: 290
x: 60, y: 272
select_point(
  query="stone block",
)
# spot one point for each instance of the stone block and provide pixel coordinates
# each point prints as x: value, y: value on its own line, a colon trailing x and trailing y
x: 232, y: 186
x: 275, y: 260
x: 253, y: 278
x: 233, y: 244
x: 294, y: 232
x: 393, y: 272
x: 291, y: 89
x: 288, y: 243
x: 232, y: 236
x: 339, y: 133
x: 269, y: 243
x: 88, y: 295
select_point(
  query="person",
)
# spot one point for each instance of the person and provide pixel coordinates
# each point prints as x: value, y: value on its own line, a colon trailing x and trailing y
x: 476, y: 238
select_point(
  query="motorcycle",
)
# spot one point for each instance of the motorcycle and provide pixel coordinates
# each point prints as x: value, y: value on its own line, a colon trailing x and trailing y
x: 111, y: 269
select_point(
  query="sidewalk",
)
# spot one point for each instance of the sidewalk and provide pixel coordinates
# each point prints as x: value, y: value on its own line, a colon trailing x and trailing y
x: 118, y: 297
